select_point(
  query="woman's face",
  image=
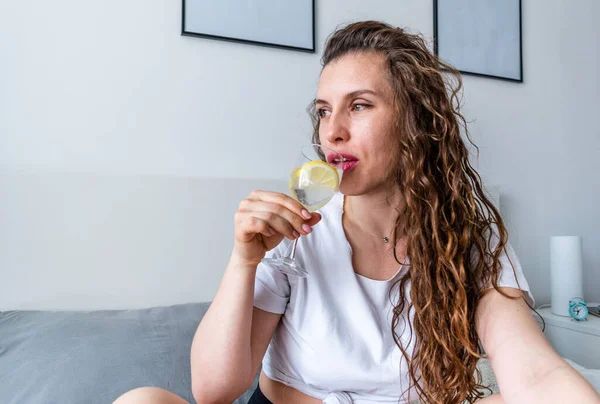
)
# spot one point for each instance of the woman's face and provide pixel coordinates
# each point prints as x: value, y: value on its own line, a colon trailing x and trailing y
x: 355, y: 105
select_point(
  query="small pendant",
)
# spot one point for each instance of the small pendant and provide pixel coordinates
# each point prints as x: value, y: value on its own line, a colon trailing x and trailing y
x: 386, y: 240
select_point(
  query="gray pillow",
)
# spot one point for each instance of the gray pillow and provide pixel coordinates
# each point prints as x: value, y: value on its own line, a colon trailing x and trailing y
x: 95, y: 356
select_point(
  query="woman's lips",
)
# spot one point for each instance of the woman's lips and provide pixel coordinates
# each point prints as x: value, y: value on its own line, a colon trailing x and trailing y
x: 346, y: 163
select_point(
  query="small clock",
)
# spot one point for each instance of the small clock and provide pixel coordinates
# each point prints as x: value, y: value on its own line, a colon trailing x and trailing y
x: 578, y: 309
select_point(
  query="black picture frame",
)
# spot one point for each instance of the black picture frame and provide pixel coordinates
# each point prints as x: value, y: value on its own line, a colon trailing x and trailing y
x: 311, y: 49
x: 518, y: 79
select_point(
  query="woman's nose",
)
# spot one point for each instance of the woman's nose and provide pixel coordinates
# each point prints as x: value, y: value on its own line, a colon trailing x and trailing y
x: 335, y: 129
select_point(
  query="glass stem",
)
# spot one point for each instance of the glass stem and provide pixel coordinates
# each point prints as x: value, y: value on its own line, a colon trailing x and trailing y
x: 293, y: 254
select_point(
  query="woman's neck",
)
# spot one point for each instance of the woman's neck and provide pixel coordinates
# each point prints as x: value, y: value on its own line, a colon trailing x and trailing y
x: 374, y: 213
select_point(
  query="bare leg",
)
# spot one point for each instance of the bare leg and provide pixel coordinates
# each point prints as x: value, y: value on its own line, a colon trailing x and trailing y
x: 149, y: 395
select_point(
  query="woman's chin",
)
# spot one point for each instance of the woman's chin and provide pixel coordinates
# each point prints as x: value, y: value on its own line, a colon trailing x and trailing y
x: 351, y: 188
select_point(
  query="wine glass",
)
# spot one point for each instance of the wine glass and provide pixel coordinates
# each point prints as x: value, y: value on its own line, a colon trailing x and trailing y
x: 314, y: 180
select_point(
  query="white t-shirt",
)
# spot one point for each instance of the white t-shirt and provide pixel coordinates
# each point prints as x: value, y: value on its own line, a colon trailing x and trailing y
x: 334, y: 340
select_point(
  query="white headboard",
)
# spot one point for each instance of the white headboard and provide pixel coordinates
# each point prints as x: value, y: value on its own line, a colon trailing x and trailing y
x: 84, y: 241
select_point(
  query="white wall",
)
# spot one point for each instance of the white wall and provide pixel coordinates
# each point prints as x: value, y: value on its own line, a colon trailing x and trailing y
x: 112, y: 89
x: 540, y: 140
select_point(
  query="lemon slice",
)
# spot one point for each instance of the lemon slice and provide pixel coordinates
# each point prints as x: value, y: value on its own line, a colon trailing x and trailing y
x: 314, y: 184
x: 318, y: 174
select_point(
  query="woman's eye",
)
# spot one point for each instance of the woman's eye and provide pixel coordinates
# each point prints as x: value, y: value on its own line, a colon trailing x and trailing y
x: 359, y: 107
x: 323, y: 113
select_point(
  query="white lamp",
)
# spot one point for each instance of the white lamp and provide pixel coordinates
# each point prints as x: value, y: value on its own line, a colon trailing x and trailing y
x: 566, y: 272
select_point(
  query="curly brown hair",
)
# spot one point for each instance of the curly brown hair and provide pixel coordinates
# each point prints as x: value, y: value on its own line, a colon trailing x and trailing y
x: 455, y: 235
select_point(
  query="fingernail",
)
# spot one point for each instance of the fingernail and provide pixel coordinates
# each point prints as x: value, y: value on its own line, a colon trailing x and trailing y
x: 296, y: 234
x: 306, y: 228
x: 306, y: 214
x: 271, y: 232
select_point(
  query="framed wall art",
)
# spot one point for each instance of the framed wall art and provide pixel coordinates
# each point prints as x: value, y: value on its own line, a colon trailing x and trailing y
x: 288, y: 24
x: 480, y: 37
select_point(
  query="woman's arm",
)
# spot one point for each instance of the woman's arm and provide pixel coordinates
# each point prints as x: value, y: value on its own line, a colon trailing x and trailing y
x: 231, y: 339
x: 493, y: 399
x: 233, y: 336
x: 525, y: 364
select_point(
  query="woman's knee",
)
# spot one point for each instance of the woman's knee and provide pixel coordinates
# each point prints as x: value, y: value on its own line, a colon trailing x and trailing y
x: 149, y: 395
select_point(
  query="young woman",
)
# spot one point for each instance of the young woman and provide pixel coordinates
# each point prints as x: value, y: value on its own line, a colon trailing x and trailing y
x: 410, y: 270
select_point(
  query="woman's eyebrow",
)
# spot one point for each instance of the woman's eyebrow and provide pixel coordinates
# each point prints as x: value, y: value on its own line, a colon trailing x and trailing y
x: 352, y: 94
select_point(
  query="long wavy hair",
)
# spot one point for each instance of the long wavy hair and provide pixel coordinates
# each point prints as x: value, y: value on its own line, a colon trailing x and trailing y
x: 455, y: 235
